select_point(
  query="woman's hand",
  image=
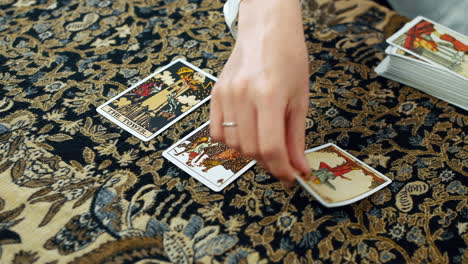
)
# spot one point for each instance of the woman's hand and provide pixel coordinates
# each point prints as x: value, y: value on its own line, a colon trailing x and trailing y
x: 264, y: 88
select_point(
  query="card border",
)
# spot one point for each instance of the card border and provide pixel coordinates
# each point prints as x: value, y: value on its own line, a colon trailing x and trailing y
x: 425, y: 65
x: 352, y: 200
x: 408, y: 83
x: 128, y: 129
x: 198, y: 177
x: 392, y: 51
x: 410, y: 24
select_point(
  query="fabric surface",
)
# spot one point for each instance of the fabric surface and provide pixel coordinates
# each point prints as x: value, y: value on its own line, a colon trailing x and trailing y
x: 75, y: 188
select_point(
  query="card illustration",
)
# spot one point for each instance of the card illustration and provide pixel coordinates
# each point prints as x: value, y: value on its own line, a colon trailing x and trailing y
x: 212, y: 163
x: 149, y: 107
x: 434, y: 43
x: 338, y: 178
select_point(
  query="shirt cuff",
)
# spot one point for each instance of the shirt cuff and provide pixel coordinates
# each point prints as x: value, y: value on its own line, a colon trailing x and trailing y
x: 231, y: 12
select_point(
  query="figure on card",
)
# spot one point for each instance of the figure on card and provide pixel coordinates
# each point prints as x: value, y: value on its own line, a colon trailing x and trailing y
x: 427, y: 40
x: 220, y: 159
x: 197, y: 149
x: 425, y: 35
x: 325, y: 173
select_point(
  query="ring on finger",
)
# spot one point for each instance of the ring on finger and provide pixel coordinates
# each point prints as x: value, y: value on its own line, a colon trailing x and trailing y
x: 229, y: 124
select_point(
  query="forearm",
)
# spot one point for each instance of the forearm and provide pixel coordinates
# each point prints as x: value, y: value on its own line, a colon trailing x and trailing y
x: 270, y: 29
x: 270, y: 17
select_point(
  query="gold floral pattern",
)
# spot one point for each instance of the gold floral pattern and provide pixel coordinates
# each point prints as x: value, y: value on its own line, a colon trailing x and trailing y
x: 75, y: 188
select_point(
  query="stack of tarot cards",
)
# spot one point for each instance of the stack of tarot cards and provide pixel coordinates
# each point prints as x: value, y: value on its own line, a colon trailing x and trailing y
x: 430, y: 57
x: 162, y: 99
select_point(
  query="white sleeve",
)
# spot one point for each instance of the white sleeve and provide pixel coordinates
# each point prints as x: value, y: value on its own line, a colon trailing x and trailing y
x: 231, y: 11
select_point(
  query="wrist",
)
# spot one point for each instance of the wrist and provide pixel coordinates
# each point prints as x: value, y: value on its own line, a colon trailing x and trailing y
x: 269, y: 16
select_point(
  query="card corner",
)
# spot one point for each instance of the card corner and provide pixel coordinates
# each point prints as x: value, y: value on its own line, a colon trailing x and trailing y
x: 217, y: 190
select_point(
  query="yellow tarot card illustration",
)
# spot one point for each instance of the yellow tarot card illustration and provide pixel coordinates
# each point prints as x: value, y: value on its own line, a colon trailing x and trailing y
x: 155, y: 103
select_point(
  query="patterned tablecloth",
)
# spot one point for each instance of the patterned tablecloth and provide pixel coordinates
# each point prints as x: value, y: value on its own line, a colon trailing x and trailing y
x: 75, y: 188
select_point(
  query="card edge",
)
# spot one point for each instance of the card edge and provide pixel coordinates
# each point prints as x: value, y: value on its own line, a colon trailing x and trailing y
x: 349, y: 201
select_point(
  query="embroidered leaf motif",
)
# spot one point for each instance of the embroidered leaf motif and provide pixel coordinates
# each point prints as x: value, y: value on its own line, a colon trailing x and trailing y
x: 38, y: 183
x: 156, y: 228
x: 46, y: 129
x: 88, y: 155
x: 216, y: 246
x: 194, y: 225
x: 104, y: 164
x: 53, y: 210
x: 15, y: 144
x: 205, y: 234
x: 40, y: 193
x: 178, y: 247
x: 84, y: 198
x: 77, y: 165
x: 60, y: 137
x: 5, y: 166
x: 10, y: 215
x: 18, y: 170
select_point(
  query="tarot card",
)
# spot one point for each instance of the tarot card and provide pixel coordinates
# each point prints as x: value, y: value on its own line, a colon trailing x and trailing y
x: 155, y: 103
x: 434, y: 43
x: 395, y: 51
x: 212, y: 163
x: 338, y: 179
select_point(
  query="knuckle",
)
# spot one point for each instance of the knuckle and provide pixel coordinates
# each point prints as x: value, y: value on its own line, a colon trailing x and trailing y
x: 242, y: 81
x: 266, y: 94
x: 239, y: 89
x: 237, y: 92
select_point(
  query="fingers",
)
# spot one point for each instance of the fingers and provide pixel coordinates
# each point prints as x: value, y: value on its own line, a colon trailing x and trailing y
x: 296, y: 126
x: 216, y: 115
x: 246, y: 117
x: 272, y: 142
x: 216, y: 104
x: 229, y: 115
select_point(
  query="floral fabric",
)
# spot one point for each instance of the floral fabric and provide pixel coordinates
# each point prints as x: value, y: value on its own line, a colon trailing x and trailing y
x: 75, y: 188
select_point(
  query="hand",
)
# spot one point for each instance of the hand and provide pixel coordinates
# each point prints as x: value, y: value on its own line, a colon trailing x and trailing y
x: 264, y: 88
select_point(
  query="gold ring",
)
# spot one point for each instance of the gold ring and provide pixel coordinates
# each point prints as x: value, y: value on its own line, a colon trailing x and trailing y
x: 229, y: 124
